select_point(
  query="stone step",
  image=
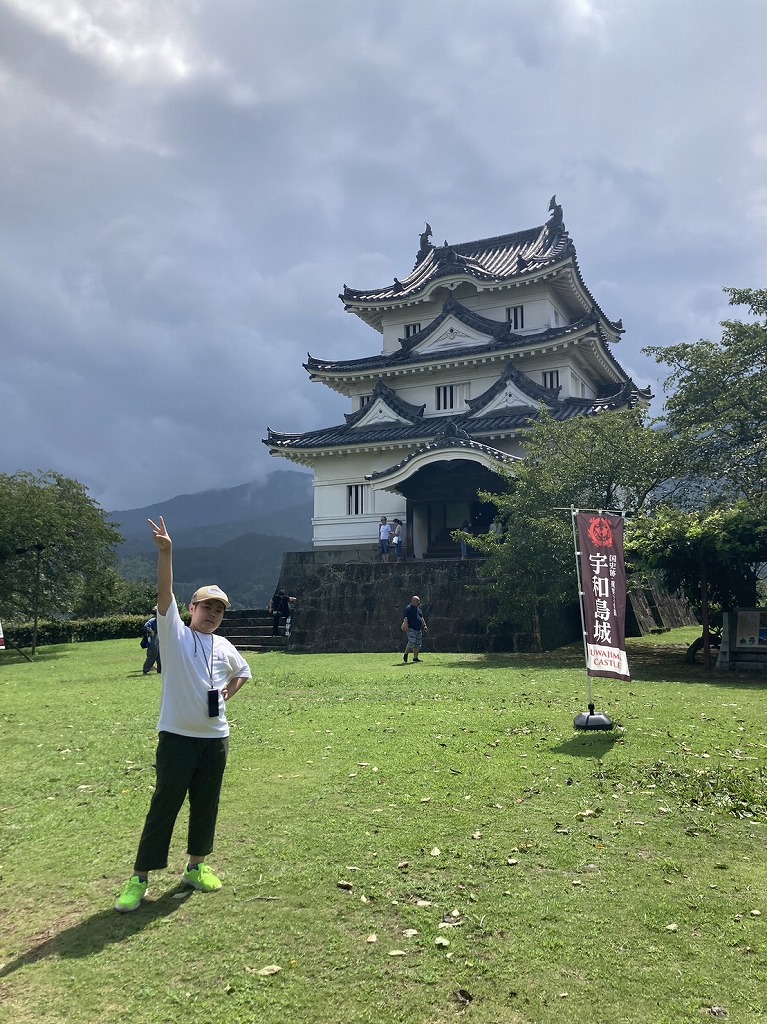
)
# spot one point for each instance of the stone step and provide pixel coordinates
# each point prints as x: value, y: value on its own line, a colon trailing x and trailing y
x: 257, y: 648
x: 253, y: 645
x: 236, y: 629
x: 250, y: 629
x: 257, y: 634
x: 252, y: 621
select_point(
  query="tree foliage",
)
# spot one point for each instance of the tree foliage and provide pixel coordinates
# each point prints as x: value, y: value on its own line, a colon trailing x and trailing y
x: 55, y: 543
x: 706, y: 461
x: 614, y: 460
x: 712, y: 554
x: 108, y: 593
x: 717, y: 406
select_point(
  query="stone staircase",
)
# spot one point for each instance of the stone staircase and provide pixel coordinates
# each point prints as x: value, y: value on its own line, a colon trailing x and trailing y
x: 251, y: 630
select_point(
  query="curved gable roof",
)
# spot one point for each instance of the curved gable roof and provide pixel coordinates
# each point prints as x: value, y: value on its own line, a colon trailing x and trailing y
x: 500, y: 338
x: 450, y: 438
x: 481, y: 419
x: 511, y: 375
x: 398, y: 406
x: 486, y: 261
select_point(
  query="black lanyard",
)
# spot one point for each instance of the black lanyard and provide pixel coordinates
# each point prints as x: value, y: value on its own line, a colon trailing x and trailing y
x: 209, y: 667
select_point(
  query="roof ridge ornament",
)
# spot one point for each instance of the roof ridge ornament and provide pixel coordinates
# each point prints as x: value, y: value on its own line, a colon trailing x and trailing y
x: 451, y: 430
x: 555, y: 221
x: 555, y: 225
x: 426, y: 246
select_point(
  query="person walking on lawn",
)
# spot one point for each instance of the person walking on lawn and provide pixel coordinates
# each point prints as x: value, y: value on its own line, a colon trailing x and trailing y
x: 152, y: 641
x: 201, y: 672
x: 414, y: 625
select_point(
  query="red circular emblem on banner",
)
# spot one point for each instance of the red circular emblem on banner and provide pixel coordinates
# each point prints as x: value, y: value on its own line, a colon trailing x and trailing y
x: 601, y: 533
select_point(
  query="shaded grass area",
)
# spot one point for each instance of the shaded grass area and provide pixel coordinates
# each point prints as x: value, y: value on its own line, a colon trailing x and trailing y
x: 547, y: 874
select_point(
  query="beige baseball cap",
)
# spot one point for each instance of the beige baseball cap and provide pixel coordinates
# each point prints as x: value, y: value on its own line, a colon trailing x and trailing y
x: 210, y: 593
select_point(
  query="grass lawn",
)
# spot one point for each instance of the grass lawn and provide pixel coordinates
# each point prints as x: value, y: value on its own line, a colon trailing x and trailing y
x: 407, y: 843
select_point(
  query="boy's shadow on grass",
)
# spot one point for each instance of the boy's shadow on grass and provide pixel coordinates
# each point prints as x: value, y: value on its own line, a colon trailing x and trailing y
x: 99, y: 931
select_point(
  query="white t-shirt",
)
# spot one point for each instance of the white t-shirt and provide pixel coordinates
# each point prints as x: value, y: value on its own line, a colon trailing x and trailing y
x: 192, y: 664
x: 385, y: 531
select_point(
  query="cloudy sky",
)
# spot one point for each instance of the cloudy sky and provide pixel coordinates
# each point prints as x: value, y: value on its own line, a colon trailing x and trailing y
x: 186, y: 185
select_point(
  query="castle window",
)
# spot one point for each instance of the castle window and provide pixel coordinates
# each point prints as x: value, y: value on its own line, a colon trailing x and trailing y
x: 515, y: 315
x: 551, y: 379
x: 363, y: 400
x: 355, y: 499
x: 451, y: 396
x: 445, y: 397
x: 411, y: 329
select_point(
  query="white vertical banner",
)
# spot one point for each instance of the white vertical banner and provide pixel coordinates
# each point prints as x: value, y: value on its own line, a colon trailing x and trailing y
x: 603, y: 594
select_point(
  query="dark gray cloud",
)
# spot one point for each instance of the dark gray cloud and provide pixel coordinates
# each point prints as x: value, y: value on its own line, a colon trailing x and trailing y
x: 186, y: 187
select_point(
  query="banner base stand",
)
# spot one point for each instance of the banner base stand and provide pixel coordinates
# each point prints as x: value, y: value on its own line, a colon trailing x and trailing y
x: 592, y: 720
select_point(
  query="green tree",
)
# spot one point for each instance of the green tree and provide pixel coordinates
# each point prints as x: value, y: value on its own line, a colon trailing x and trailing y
x: 108, y: 593
x: 53, y: 539
x: 712, y: 556
x: 717, y: 407
x: 614, y: 460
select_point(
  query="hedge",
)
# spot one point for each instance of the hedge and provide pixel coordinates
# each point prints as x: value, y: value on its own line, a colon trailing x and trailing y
x: 73, y: 631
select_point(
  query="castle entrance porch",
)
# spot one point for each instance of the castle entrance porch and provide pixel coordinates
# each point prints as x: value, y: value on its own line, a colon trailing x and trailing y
x: 441, y: 497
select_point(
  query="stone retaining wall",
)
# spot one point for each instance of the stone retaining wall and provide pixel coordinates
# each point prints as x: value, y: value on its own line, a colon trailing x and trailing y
x: 358, y: 606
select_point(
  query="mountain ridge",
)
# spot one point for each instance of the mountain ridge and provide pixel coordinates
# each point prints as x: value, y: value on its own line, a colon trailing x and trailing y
x: 235, y: 536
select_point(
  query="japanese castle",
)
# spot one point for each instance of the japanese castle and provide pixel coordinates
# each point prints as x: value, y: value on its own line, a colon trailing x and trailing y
x: 477, y: 338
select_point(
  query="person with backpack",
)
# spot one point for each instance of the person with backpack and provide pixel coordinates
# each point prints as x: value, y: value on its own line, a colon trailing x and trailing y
x: 279, y: 608
x: 151, y: 644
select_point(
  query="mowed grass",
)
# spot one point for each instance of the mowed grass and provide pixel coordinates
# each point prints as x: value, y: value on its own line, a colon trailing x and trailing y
x: 424, y: 844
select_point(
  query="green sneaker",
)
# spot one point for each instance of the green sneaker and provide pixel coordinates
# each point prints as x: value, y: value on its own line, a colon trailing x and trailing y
x: 202, y: 879
x: 132, y: 895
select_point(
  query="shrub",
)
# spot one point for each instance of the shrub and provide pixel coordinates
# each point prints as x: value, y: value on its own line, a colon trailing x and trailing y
x: 72, y: 631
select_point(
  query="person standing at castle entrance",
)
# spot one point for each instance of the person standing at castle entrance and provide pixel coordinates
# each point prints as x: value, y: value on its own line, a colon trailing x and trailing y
x: 398, y: 540
x: 384, y: 537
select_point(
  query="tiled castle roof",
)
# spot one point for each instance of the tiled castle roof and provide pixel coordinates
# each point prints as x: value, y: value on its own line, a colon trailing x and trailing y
x: 488, y: 261
x: 476, y: 424
x: 451, y: 437
x: 500, y: 338
x: 398, y: 405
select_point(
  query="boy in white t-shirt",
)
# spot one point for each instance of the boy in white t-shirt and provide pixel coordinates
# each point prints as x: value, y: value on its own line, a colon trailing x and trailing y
x: 200, y: 673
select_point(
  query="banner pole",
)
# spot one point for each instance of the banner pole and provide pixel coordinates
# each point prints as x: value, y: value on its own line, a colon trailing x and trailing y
x: 590, y: 719
x: 573, y: 514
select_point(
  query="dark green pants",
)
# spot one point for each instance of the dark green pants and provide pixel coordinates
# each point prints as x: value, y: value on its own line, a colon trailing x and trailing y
x: 185, y: 765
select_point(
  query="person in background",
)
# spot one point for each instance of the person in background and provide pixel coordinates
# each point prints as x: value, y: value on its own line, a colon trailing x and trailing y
x: 398, y: 540
x: 496, y: 528
x: 279, y: 608
x: 152, y: 644
x: 292, y: 602
x: 466, y: 527
x: 384, y: 536
x: 201, y: 673
x: 414, y: 624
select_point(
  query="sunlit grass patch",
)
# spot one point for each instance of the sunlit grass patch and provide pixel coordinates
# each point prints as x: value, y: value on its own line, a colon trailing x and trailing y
x: 450, y: 801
